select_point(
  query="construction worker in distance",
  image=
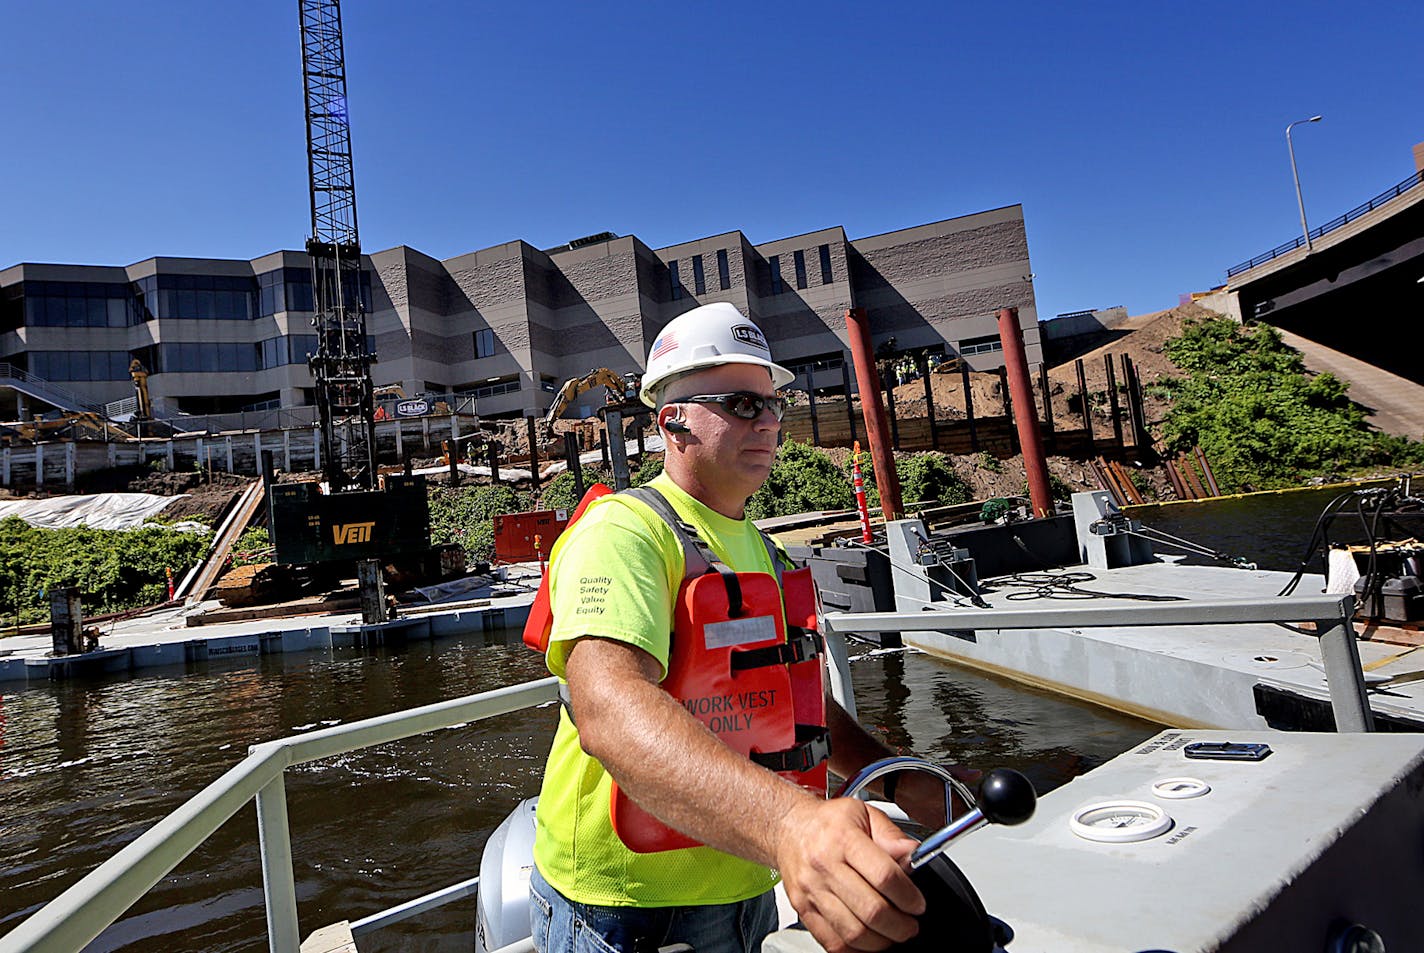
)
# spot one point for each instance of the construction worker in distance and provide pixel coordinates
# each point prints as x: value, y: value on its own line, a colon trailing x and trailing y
x: 674, y: 796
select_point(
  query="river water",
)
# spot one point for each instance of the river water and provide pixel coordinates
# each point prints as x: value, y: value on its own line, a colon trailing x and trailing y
x: 87, y: 766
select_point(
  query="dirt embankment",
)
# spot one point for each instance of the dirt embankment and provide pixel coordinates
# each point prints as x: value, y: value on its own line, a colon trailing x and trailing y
x: 1142, y: 339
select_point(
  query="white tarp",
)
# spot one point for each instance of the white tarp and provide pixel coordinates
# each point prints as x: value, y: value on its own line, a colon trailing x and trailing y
x: 99, y: 510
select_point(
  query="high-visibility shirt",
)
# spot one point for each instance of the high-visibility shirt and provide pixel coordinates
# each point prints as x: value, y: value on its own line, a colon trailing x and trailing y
x: 613, y: 574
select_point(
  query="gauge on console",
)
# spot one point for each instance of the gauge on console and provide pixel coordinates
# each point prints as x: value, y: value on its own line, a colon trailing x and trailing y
x: 1120, y: 822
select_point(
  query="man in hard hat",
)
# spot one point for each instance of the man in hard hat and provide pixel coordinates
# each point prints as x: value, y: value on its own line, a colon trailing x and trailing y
x: 643, y: 765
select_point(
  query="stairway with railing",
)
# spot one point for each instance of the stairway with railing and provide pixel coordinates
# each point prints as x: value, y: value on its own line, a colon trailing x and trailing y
x: 47, y: 391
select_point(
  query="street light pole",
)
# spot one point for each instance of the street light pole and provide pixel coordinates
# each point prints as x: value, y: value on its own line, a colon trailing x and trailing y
x: 1296, y: 176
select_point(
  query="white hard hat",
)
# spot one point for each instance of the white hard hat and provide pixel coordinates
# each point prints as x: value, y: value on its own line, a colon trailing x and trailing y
x: 708, y: 336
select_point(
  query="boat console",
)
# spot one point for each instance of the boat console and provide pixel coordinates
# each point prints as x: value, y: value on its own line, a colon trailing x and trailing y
x: 1209, y: 841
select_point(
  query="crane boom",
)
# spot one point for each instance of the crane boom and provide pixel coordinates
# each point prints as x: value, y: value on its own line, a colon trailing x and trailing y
x: 341, y: 366
x: 360, y: 517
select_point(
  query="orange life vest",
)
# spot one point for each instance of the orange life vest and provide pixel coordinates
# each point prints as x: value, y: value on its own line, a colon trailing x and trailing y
x: 733, y: 667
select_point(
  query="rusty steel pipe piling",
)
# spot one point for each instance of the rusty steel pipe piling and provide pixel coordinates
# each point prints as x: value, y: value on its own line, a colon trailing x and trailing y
x: 867, y: 379
x: 1025, y: 417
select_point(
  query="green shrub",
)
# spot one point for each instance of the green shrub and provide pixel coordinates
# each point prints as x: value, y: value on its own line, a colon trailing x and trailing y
x: 113, y: 569
x: 926, y: 476
x: 465, y: 515
x: 802, y: 479
x: 560, y: 494
x: 1260, y: 418
x: 646, y: 471
x: 253, y: 546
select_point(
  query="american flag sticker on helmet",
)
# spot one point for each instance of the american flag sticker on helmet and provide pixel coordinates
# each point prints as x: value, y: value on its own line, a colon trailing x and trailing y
x: 667, y: 342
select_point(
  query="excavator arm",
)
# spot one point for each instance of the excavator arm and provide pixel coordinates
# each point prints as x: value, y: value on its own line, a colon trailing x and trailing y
x: 618, y: 388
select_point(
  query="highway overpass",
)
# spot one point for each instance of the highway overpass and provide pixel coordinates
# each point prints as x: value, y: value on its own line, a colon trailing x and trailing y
x: 1358, y: 288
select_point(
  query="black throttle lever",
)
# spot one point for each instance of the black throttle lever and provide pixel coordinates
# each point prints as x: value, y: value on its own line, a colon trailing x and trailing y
x: 954, y: 917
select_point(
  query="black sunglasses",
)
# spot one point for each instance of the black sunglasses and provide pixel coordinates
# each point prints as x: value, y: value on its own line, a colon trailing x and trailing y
x: 742, y: 403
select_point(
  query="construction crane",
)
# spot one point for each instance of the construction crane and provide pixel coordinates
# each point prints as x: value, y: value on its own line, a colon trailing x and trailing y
x: 341, y: 366
x: 355, y: 518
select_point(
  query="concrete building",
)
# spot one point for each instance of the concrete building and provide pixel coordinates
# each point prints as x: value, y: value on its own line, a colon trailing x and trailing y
x: 506, y: 325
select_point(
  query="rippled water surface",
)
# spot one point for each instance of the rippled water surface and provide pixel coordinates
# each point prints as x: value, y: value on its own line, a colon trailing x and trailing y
x: 85, y: 767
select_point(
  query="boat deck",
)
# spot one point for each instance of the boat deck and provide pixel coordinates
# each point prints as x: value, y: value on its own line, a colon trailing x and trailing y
x: 1185, y: 675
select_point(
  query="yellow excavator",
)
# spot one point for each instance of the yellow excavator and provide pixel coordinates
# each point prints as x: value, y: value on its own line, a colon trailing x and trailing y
x: 140, y: 379
x: 621, y: 390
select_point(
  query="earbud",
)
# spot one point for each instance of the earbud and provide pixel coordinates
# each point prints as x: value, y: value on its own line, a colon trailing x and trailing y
x: 674, y: 425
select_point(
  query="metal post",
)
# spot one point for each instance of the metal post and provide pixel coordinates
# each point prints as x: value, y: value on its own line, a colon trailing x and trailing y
x: 1112, y: 399
x: 1014, y: 445
x: 618, y: 450
x: 845, y: 382
x: 571, y: 452
x: 279, y: 886
x: 1296, y: 176
x: 889, y: 383
x: 372, y: 585
x: 1344, y: 676
x: 533, y: 453
x: 923, y: 363
x: 1047, y: 407
x: 66, y: 621
x: 968, y: 406
x: 811, y: 402
x: 1083, y: 405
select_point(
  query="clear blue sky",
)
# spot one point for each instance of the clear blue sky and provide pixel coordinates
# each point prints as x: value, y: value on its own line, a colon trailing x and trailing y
x: 1144, y: 140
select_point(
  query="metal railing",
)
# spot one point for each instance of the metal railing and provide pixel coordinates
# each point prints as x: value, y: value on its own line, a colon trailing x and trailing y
x: 61, y: 395
x: 81, y: 913
x: 1388, y: 195
x: 1332, y: 616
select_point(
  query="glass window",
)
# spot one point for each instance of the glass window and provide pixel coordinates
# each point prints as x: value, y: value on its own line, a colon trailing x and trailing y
x: 117, y: 312
x: 484, y: 342
x: 724, y: 271
x: 76, y: 312
x: 798, y: 258
x: 982, y: 345
x: 676, y: 279
x: 776, y: 285
x: 825, y: 264
x: 699, y: 283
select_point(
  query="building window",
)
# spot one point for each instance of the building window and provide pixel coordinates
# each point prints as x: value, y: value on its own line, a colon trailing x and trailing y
x: 984, y: 345
x: 484, y: 343
x: 825, y: 264
x: 776, y: 285
x: 799, y: 258
x: 699, y: 283
x: 80, y: 365
x: 675, y: 279
x: 724, y: 271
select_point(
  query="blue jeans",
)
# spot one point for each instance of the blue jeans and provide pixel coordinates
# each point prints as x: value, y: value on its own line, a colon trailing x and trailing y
x: 562, y: 926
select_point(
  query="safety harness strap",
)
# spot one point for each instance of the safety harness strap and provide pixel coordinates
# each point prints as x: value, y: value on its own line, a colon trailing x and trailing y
x: 813, y: 747
x: 800, y: 647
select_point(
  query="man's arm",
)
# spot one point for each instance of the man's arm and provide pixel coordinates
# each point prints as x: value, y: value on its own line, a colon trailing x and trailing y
x: 840, y: 860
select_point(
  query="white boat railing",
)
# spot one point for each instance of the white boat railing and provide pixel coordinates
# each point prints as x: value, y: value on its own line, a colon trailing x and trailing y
x: 74, y: 918
x: 1332, y: 616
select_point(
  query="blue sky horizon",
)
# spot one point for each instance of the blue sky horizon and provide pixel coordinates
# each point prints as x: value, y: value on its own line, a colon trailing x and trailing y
x: 1145, y: 144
